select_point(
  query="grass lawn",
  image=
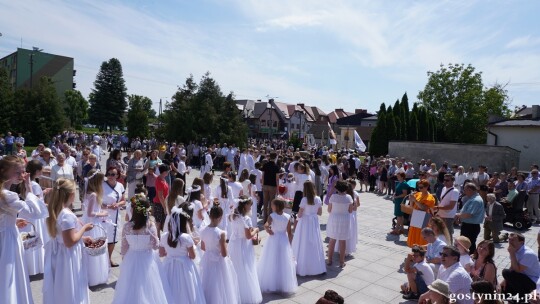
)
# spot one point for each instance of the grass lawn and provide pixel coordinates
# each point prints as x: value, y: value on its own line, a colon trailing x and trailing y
x: 96, y: 130
x: 29, y: 150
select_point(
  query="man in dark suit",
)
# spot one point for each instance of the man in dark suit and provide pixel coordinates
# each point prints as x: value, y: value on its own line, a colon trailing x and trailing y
x: 493, y: 224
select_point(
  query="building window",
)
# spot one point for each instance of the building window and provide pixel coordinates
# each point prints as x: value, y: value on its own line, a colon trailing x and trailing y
x: 263, y: 123
x: 275, y: 124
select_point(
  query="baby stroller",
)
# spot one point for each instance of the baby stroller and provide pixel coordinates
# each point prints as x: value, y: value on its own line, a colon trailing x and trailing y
x: 515, y: 213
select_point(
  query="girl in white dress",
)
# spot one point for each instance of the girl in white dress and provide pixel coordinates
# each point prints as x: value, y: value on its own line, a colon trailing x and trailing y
x: 307, y: 242
x: 338, y: 226
x: 218, y: 276
x: 65, y: 277
x: 245, y: 182
x: 34, y: 257
x: 236, y: 186
x: 180, y: 273
x: 98, y: 266
x: 276, y: 268
x: 254, y: 195
x: 174, y: 199
x: 242, y: 253
x: 225, y: 198
x: 140, y: 279
x: 14, y: 282
x: 207, y: 190
x: 352, y: 241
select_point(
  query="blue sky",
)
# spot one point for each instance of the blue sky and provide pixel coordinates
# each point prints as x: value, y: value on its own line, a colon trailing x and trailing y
x: 332, y: 54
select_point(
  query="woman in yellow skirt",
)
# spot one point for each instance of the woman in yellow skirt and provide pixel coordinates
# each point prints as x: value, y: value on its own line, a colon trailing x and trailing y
x: 421, y: 200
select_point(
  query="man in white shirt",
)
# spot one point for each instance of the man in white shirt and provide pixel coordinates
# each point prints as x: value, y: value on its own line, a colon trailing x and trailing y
x: 457, y: 278
x: 447, y: 207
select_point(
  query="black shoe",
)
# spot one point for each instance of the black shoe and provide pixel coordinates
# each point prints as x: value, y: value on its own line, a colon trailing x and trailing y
x: 411, y: 296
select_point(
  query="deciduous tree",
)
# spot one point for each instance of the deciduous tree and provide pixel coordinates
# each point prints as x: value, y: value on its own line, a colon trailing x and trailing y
x: 460, y: 103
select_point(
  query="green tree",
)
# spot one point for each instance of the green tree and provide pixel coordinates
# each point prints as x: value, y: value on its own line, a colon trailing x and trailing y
x: 423, y: 125
x: 404, y: 117
x: 201, y: 111
x: 76, y: 108
x: 138, y: 116
x: 379, y: 141
x: 178, y: 124
x: 413, y: 127
x: 40, y: 112
x: 6, y: 102
x: 108, y: 98
x: 456, y: 97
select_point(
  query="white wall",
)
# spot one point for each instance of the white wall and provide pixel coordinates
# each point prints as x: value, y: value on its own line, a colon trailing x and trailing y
x: 524, y: 139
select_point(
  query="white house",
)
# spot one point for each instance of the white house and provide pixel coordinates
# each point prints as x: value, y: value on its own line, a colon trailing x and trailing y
x: 522, y: 133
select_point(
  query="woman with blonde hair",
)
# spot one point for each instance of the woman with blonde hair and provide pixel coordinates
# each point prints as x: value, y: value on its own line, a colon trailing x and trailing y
x: 441, y: 231
x: 423, y: 201
x: 66, y: 278
x: 98, y: 266
x: 14, y: 283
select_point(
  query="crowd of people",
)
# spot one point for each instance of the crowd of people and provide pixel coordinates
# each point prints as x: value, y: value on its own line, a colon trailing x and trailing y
x: 196, y: 242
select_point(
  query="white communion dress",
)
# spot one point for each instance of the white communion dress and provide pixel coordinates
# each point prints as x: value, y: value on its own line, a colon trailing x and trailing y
x: 65, y: 278
x: 98, y: 266
x: 276, y: 268
x: 14, y: 282
x: 140, y: 280
x: 307, y: 242
x: 242, y: 255
x: 338, y: 226
x: 218, y: 276
x: 34, y: 257
x: 180, y: 273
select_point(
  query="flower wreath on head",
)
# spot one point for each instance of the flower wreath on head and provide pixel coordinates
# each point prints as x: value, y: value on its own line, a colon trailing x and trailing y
x: 138, y: 203
x: 175, y: 211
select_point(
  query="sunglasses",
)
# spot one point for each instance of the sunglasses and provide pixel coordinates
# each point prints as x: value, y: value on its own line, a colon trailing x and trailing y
x: 444, y: 255
x: 111, y: 174
x: 447, y: 180
x: 421, y: 187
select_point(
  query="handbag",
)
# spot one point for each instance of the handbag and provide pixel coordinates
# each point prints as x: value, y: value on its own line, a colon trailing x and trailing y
x: 406, y: 208
x: 256, y: 240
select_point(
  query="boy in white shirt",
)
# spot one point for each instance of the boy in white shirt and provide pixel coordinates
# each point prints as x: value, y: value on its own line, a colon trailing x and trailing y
x: 419, y: 274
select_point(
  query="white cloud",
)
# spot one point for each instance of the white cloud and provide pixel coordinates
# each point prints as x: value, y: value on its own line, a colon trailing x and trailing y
x: 523, y: 42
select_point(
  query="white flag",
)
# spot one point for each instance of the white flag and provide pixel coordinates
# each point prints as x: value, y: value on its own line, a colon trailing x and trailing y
x: 358, y: 142
x: 331, y: 135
